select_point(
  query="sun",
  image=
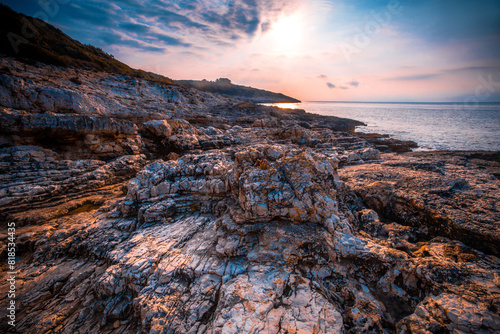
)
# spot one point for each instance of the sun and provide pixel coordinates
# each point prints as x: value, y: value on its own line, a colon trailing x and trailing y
x: 288, y: 33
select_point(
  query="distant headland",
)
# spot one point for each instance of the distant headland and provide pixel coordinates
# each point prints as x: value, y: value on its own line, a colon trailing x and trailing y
x: 224, y: 86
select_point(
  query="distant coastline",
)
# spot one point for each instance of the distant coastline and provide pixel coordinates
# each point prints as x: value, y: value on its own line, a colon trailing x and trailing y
x: 225, y: 87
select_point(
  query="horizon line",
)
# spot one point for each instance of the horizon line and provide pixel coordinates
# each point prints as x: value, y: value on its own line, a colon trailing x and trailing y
x: 397, y: 102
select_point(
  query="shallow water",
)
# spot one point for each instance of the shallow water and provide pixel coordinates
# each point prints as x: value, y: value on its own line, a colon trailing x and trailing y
x: 443, y: 126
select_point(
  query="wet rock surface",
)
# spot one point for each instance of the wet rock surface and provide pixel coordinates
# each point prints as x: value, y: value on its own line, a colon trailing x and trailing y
x: 218, y: 216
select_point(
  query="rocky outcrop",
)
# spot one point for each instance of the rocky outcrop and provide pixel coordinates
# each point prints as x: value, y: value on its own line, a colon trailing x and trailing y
x: 225, y: 87
x: 54, y: 89
x: 37, y: 186
x: 449, y: 195
x: 233, y: 218
x: 257, y: 184
x: 72, y: 136
x: 387, y: 144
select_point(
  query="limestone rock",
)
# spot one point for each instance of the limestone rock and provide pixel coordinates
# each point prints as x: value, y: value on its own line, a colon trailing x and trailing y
x: 369, y: 154
x: 160, y: 128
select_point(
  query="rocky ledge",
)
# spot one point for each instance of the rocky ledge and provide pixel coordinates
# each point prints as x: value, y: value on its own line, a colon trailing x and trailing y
x: 142, y: 208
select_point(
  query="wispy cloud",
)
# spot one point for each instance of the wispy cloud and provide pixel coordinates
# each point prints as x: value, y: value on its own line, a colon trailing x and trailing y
x: 353, y: 83
x: 416, y: 77
x: 473, y: 68
x: 447, y: 71
x: 153, y: 25
x: 120, y: 39
x: 134, y: 27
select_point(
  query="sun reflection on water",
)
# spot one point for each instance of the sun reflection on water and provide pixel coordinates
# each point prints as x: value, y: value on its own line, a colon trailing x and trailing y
x: 285, y: 105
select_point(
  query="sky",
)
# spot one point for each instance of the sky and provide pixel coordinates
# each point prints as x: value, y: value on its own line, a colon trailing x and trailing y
x: 313, y: 50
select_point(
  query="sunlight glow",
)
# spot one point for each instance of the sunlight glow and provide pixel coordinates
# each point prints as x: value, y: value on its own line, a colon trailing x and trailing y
x: 288, y: 33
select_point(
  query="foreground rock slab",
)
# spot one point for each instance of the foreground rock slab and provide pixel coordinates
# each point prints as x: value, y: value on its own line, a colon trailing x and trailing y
x: 181, y: 252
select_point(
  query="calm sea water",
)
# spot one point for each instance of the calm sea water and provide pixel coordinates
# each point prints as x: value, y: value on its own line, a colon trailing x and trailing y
x: 442, y: 126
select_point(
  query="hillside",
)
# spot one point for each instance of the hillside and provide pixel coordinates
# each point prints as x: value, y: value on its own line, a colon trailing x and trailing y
x: 225, y: 87
x: 31, y: 40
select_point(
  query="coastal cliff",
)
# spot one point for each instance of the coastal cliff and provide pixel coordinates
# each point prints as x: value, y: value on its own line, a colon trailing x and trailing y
x: 225, y: 87
x: 144, y: 206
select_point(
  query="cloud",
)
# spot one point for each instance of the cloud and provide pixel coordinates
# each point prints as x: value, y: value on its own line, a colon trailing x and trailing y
x: 322, y: 76
x: 118, y: 39
x: 332, y: 86
x: 444, y: 72
x: 134, y: 27
x: 156, y: 25
x: 168, y: 18
x: 416, y: 77
x: 169, y: 40
x: 239, y: 18
x: 353, y: 83
x: 473, y: 68
x: 100, y: 15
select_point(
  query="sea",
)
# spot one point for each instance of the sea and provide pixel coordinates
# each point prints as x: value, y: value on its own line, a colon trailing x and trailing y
x: 434, y: 126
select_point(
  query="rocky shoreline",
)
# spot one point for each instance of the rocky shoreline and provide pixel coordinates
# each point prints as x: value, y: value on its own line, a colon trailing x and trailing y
x: 149, y: 208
